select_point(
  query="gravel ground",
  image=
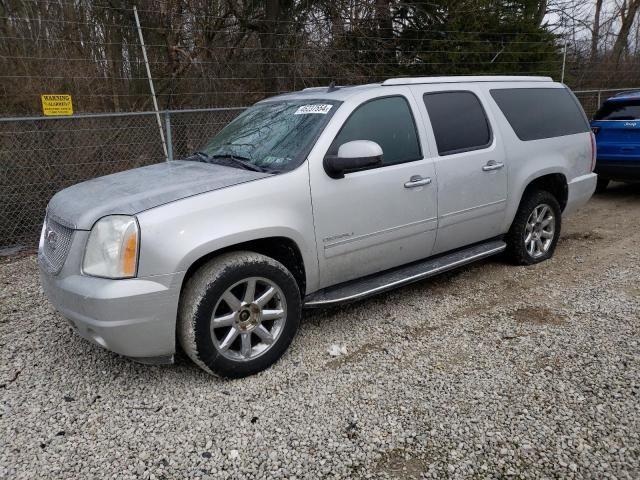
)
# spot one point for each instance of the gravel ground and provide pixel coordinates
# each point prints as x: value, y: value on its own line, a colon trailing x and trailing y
x: 489, y: 371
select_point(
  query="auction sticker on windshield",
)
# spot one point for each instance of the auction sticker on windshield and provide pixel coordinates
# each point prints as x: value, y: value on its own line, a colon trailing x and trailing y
x: 321, y: 108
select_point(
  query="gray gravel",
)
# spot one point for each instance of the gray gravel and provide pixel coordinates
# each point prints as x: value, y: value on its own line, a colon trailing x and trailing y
x: 489, y: 371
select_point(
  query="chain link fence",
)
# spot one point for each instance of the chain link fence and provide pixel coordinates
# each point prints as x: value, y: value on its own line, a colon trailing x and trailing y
x: 40, y: 156
x: 592, y: 99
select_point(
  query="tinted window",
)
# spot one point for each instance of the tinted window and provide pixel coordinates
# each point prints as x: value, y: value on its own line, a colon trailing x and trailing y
x: 458, y: 121
x: 536, y: 113
x: 619, y: 110
x: 389, y: 123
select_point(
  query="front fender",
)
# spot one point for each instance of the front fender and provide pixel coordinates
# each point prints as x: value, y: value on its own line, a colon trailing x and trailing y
x: 175, y: 235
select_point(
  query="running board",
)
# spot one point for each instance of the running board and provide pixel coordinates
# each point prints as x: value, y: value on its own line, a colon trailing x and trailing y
x: 397, y: 277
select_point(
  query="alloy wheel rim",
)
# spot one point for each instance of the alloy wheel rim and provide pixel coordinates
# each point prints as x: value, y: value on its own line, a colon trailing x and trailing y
x: 539, y: 231
x: 248, y: 319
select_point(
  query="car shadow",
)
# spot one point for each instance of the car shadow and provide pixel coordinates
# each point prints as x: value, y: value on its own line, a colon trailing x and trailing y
x: 620, y: 190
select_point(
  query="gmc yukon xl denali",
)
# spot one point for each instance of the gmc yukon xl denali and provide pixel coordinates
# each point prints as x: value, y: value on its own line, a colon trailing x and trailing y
x: 311, y: 199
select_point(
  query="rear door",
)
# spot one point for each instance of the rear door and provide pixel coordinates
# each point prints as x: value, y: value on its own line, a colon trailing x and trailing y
x: 470, y: 165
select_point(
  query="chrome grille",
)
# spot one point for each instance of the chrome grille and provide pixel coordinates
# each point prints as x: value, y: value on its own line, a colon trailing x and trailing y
x: 55, y: 245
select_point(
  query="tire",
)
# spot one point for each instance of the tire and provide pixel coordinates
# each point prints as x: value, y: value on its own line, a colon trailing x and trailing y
x: 602, y: 184
x: 523, y: 249
x: 244, y: 341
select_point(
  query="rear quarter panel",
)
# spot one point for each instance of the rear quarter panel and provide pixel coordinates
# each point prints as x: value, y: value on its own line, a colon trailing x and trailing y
x: 569, y: 155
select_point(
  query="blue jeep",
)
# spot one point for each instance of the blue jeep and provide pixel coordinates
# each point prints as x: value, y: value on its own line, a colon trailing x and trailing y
x: 617, y: 129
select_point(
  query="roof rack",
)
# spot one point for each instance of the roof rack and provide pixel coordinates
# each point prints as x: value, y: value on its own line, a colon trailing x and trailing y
x: 332, y: 87
x: 463, y: 79
x: 311, y: 89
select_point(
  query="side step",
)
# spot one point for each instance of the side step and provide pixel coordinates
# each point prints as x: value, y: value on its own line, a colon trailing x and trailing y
x: 389, y: 279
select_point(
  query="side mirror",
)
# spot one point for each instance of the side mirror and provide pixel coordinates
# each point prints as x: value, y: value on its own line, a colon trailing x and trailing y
x: 353, y: 156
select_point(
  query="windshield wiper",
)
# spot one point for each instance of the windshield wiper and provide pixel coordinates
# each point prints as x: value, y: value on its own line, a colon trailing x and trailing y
x: 197, y: 157
x: 244, y: 162
x: 202, y: 154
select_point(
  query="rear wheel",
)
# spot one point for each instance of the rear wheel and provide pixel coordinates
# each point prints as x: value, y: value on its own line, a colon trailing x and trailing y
x: 535, y: 230
x: 238, y: 314
x: 602, y: 184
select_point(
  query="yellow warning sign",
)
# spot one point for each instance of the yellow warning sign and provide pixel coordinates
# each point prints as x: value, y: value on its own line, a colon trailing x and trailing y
x: 54, y: 105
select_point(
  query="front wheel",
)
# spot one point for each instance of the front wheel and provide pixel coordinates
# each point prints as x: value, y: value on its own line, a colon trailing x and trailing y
x: 238, y: 314
x: 535, y: 230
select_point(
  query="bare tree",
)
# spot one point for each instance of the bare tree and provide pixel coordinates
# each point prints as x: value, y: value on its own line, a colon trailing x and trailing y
x: 595, y: 32
x: 628, y: 12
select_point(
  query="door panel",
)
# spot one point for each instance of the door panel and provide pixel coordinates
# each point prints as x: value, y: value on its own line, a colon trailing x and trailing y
x: 369, y: 220
x: 472, y: 180
x: 471, y: 201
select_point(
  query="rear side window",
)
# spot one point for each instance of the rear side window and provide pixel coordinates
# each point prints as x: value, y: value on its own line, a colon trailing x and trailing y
x: 388, y: 122
x: 536, y: 113
x: 619, y: 110
x: 458, y: 121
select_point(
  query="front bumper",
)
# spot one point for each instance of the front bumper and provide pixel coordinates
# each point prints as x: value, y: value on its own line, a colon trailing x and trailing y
x: 134, y: 317
x: 580, y: 190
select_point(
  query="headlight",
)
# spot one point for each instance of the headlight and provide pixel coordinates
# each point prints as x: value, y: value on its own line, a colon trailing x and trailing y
x: 112, y: 249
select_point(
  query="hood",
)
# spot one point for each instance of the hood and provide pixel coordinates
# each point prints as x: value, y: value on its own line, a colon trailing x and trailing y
x: 132, y: 191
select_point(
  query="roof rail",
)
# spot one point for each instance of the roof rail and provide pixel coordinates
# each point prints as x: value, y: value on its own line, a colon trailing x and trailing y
x: 311, y: 89
x: 463, y: 79
x: 332, y: 87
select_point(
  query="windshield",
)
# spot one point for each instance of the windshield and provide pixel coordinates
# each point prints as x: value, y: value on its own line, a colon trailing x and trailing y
x: 274, y: 136
x: 619, y: 110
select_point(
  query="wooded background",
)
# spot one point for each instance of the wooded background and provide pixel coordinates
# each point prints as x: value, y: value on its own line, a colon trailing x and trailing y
x: 231, y: 52
x: 223, y: 53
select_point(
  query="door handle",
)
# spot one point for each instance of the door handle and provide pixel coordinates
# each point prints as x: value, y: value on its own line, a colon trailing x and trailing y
x: 492, y: 165
x: 417, y: 181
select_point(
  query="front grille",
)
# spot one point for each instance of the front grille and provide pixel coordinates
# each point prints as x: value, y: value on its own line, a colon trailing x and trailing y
x: 55, y: 245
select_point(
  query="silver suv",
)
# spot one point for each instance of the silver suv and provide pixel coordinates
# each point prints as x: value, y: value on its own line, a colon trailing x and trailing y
x: 310, y: 199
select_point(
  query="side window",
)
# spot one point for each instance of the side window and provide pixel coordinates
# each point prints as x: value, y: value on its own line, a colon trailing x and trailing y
x: 536, y: 113
x: 458, y: 121
x: 388, y: 122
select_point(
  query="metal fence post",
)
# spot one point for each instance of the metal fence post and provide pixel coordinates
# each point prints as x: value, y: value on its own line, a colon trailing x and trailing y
x: 167, y: 124
x: 598, y: 105
x: 564, y: 60
x: 153, y: 91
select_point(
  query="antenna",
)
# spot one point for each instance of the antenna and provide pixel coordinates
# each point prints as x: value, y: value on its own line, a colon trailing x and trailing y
x: 332, y: 87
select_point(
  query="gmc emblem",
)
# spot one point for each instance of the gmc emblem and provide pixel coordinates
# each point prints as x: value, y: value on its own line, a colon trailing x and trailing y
x: 51, y: 238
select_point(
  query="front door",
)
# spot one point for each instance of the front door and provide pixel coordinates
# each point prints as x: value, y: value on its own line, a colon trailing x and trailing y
x: 470, y: 165
x: 379, y: 218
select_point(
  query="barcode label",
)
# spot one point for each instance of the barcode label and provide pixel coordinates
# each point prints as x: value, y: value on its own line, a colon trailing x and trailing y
x: 321, y: 108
